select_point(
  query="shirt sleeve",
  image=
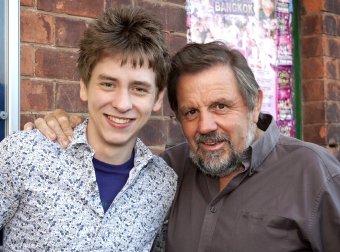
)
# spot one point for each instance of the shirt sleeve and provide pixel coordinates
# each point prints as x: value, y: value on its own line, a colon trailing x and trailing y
x: 10, y: 180
x: 159, y: 243
x: 327, y: 214
x: 324, y: 227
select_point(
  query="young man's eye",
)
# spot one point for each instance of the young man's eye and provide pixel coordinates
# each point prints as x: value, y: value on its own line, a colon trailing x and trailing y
x: 140, y: 90
x: 106, y: 85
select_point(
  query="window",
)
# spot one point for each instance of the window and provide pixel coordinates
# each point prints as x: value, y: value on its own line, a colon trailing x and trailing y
x: 9, y: 69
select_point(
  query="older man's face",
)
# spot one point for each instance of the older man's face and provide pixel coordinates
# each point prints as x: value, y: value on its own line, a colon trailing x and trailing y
x: 215, y: 119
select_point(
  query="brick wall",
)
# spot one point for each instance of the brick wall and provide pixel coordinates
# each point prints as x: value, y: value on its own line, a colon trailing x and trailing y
x: 320, y: 60
x: 50, y: 32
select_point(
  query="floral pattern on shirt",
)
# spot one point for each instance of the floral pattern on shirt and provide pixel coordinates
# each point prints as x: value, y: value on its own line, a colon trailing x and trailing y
x: 49, y: 198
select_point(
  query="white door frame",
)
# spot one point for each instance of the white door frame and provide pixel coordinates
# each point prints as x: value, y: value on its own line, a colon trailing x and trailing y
x: 12, y: 65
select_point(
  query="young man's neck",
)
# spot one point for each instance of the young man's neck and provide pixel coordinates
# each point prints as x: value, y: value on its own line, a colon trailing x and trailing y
x: 117, y: 158
x: 107, y: 152
x: 113, y: 154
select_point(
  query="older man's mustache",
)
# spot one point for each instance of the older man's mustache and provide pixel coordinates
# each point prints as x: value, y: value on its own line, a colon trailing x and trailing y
x: 212, y: 138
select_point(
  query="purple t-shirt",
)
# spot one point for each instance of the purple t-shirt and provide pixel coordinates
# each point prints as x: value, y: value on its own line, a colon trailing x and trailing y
x: 111, y: 179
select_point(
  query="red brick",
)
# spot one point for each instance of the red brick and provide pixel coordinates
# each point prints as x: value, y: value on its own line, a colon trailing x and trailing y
x: 313, y: 68
x: 87, y: 8
x: 154, y: 132
x: 311, y: 24
x: 27, y: 60
x: 176, y: 42
x: 312, y: 6
x: 329, y: 24
x: 333, y: 91
x: 315, y: 134
x: 175, y: 133
x: 36, y: 27
x: 172, y: 17
x: 332, y: 6
x: 181, y: 2
x: 312, y: 46
x: 314, y: 112
x: 167, y: 111
x: 333, y: 133
x: 36, y: 95
x: 67, y: 98
x: 313, y: 90
x: 28, y: 117
x: 114, y: 3
x: 333, y: 47
x: 69, y: 31
x: 332, y: 71
x: 176, y: 19
x: 55, y: 63
x: 332, y: 112
x: 26, y: 2
x: 157, y: 9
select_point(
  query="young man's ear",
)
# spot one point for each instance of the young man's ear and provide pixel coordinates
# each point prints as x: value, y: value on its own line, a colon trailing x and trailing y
x: 159, y: 100
x: 83, y: 91
x: 258, y: 106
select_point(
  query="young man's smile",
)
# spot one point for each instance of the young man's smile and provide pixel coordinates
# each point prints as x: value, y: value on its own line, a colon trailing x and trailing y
x: 120, y: 121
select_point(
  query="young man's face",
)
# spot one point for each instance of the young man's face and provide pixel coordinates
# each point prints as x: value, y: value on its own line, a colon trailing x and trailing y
x: 215, y: 119
x: 120, y: 102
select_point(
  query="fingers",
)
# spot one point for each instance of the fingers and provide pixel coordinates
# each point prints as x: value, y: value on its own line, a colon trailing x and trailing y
x: 65, y: 125
x: 56, y: 123
x: 29, y: 126
x: 42, y: 126
x: 75, y: 120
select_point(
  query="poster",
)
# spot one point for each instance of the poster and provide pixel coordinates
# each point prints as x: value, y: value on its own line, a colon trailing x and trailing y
x: 260, y: 29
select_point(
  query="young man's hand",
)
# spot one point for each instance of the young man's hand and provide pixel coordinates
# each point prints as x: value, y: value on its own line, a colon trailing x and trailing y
x: 57, y: 125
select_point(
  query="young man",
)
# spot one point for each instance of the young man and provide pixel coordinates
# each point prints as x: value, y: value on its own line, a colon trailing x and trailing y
x: 106, y: 191
x: 242, y: 185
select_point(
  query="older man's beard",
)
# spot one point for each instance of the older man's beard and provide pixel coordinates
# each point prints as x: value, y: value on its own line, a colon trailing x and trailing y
x: 212, y: 162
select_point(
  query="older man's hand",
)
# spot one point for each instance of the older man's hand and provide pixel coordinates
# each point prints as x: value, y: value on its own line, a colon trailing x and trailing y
x: 57, y: 125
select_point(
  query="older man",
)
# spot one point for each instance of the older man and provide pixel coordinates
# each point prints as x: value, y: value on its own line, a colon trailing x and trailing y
x: 242, y: 185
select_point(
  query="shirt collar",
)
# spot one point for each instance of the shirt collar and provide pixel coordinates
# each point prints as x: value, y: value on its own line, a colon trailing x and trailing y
x: 79, y: 134
x: 263, y: 146
x: 142, y: 152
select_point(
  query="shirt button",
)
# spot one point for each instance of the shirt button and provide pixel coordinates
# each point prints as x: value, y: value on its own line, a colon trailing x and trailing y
x: 213, y: 209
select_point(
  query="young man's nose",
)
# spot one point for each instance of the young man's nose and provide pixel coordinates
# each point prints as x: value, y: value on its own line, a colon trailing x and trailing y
x: 122, y: 101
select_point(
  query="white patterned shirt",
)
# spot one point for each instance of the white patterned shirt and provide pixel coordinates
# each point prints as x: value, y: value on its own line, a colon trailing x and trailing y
x: 49, y: 198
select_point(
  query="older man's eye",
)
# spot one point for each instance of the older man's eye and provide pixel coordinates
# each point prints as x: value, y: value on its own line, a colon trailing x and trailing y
x: 191, y: 114
x: 221, y: 106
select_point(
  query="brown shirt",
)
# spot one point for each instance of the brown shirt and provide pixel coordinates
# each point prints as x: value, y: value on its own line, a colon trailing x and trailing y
x: 286, y: 199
